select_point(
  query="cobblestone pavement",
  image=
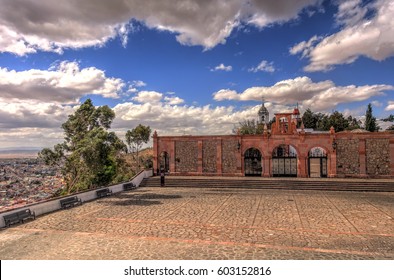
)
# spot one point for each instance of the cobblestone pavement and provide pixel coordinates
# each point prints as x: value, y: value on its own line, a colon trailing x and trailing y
x: 190, y: 223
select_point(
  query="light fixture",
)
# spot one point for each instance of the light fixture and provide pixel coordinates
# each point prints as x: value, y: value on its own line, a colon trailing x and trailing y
x: 334, y: 145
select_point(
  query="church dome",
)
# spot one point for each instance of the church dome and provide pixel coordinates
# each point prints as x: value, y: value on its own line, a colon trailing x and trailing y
x: 263, y: 110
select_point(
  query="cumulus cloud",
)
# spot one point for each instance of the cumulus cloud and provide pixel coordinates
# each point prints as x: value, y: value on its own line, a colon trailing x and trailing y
x: 222, y: 67
x: 63, y: 83
x: 360, y: 36
x: 390, y: 106
x: 148, y: 97
x: 173, y: 100
x: 174, y: 119
x: 30, y: 26
x: 319, y: 96
x: 41, y: 100
x: 264, y: 66
x: 133, y: 87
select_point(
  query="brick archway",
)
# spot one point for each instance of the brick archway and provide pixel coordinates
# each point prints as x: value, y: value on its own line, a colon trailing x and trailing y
x: 284, y: 161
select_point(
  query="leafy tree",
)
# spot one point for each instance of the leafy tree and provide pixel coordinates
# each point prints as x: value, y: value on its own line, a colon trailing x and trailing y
x: 136, y: 137
x: 310, y: 119
x: 389, y: 118
x: 90, y: 155
x: 338, y: 121
x: 323, y: 122
x: 370, y: 120
x: 250, y: 127
x: 353, y: 123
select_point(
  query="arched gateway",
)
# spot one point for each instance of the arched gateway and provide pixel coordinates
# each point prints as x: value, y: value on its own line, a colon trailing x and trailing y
x: 317, y: 161
x: 284, y: 161
x: 164, y: 162
x: 252, y: 162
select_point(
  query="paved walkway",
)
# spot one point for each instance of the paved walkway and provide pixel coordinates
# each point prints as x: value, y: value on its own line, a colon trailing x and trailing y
x: 190, y: 223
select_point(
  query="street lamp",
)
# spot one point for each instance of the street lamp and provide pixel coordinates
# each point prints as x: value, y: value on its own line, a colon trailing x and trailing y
x: 334, y: 145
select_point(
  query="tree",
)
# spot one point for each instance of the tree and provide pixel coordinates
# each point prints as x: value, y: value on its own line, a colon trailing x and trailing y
x: 310, y: 119
x: 90, y: 155
x: 136, y: 137
x: 353, y: 123
x: 338, y: 121
x: 389, y: 118
x: 370, y: 120
x: 250, y: 127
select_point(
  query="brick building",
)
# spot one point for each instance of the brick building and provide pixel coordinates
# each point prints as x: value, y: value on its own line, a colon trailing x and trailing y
x: 286, y: 150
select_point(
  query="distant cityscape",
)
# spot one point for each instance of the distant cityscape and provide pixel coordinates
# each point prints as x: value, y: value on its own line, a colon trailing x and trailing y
x: 24, y: 179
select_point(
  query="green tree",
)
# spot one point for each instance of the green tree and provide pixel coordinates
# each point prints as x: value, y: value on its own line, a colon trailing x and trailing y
x: 90, y: 155
x: 310, y: 119
x: 370, y: 120
x: 250, y: 127
x: 135, y: 138
x: 389, y: 118
x: 338, y: 121
x: 353, y: 123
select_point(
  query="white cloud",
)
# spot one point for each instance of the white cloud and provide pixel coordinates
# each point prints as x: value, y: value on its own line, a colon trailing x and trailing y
x: 174, y: 119
x: 173, y: 100
x: 264, y: 66
x: 63, y: 83
x: 222, y: 67
x: 390, y: 106
x: 318, y: 96
x: 376, y: 103
x: 360, y: 36
x: 133, y: 87
x: 30, y: 26
x: 148, y: 97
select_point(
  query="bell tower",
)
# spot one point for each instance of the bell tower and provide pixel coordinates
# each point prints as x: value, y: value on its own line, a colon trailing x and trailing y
x: 264, y: 116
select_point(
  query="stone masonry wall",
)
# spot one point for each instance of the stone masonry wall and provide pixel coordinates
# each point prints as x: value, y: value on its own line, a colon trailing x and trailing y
x: 229, y: 159
x: 378, y: 156
x: 348, y: 159
x: 209, y: 152
x: 186, y: 156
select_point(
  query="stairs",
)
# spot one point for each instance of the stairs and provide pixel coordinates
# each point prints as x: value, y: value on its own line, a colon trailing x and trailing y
x: 331, y: 184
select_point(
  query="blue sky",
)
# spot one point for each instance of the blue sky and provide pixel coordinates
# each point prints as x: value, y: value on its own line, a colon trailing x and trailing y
x: 189, y: 67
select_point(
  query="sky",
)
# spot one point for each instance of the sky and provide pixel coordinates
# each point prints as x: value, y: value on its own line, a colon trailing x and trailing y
x: 189, y: 67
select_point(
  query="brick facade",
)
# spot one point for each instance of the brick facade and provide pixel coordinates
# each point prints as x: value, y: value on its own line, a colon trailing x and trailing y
x: 344, y: 154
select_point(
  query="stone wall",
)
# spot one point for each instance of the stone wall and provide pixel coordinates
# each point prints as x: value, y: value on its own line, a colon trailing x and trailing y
x: 348, y: 158
x: 186, y: 156
x: 229, y: 158
x: 209, y: 152
x: 378, y: 156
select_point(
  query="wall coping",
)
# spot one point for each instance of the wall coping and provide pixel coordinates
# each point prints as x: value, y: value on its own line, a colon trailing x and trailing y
x: 53, y: 204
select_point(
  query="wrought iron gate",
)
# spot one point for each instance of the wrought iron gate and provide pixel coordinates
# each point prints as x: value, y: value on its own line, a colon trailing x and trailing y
x: 284, y: 162
x: 252, y: 162
x: 317, y: 163
x: 164, y: 162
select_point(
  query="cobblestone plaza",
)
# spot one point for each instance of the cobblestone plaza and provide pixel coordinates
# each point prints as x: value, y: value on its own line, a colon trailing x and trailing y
x: 194, y: 223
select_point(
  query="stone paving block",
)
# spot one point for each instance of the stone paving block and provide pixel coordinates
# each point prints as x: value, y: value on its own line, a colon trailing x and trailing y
x: 192, y: 223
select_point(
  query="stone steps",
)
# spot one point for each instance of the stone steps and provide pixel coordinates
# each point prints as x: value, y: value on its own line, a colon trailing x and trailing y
x: 274, y: 183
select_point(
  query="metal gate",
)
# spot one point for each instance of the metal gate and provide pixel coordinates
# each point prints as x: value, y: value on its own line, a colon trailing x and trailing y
x: 284, y: 161
x: 317, y: 163
x: 164, y: 162
x: 252, y: 162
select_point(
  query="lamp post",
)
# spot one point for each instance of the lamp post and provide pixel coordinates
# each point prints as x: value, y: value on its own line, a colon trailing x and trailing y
x: 334, y: 145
